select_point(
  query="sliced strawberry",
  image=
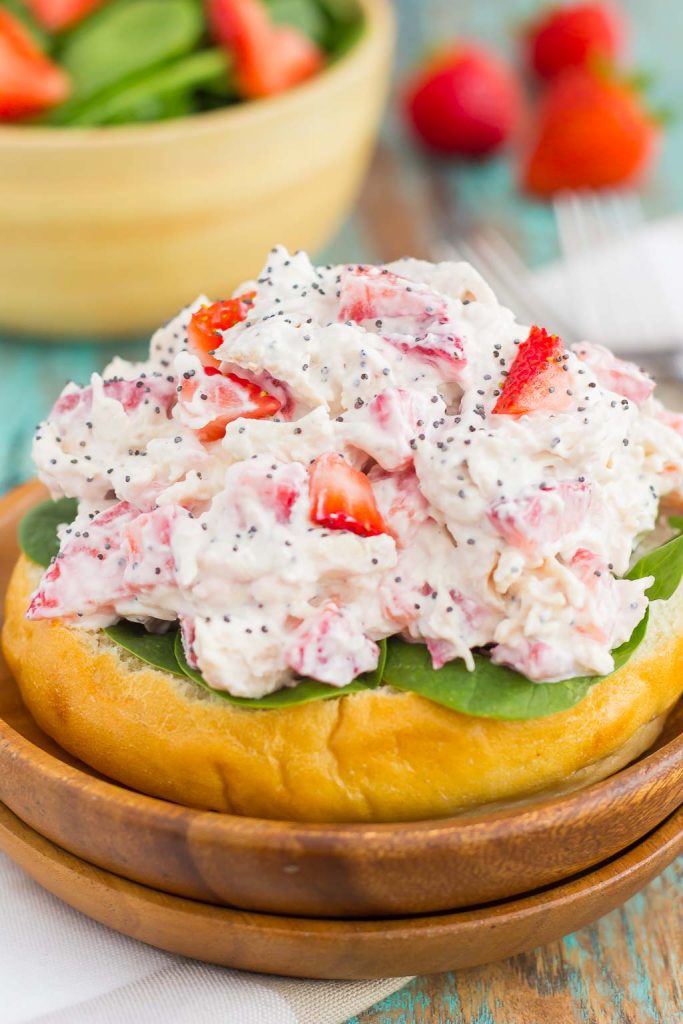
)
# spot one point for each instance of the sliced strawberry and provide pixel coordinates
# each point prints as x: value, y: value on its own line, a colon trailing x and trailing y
x: 342, y: 498
x: 202, y: 332
x: 367, y: 293
x: 536, y: 381
x: 73, y: 405
x: 408, y: 315
x: 88, y: 574
x: 147, y: 548
x: 29, y: 81
x: 209, y: 403
x: 543, y: 517
x: 330, y: 646
x: 268, y: 58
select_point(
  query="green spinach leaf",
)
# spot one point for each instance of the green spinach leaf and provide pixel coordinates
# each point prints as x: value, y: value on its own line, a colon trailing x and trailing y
x: 665, y: 563
x: 156, y: 649
x: 38, y: 529
x: 126, y: 37
x: 161, y: 92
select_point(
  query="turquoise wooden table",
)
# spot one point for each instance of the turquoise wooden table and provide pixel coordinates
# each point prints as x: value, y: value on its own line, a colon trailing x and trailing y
x: 626, y: 969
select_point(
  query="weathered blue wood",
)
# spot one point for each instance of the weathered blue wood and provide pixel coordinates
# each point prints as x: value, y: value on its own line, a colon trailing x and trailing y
x: 625, y: 969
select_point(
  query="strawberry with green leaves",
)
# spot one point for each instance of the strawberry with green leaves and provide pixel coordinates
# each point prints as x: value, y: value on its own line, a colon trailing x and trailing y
x: 594, y: 131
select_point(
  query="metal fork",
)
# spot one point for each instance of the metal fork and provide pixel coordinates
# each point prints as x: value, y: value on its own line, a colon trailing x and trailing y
x: 620, y: 298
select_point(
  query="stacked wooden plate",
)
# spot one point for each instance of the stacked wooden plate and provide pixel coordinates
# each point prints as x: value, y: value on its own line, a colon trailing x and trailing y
x: 376, y: 900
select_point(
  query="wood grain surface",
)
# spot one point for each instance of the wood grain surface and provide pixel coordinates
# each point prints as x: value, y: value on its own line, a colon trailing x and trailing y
x: 625, y: 969
x: 344, y: 950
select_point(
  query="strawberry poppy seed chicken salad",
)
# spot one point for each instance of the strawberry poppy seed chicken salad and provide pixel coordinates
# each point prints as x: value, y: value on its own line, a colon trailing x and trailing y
x: 340, y: 455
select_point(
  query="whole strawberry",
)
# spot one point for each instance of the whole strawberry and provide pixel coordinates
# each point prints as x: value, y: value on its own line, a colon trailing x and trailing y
x: 464, y: 101
x: 573, y: 36
x: 593, y: 131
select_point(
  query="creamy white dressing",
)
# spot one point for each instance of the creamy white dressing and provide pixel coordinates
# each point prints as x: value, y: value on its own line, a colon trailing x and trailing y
x: 506, y: 532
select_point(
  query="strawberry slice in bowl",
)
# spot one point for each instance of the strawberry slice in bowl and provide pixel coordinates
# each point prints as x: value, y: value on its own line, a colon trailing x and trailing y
x: 203, y: 336
x: 537, y: 381
x: 210, y: 400
x: 342, y: 498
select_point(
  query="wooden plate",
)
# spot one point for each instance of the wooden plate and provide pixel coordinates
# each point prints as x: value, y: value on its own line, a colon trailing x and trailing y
x: 319, y: 870
x: 304, y: 947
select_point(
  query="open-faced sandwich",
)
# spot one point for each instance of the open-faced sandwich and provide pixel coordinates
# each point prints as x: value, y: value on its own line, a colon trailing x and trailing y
x: 354, y: 545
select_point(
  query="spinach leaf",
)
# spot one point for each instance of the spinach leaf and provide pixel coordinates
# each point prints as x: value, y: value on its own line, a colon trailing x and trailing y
x: 156, y: 649
x: 304, y: 15
x: 490, y: 691
x: 665, y: 563
x: 146, y: 96
x: 305, y: 691
x: 38, y: 529
x: 345, y: 25
x: 125, y: 37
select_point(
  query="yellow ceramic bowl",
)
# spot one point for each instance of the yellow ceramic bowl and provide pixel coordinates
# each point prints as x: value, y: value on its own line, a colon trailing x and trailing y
x: 106, y: 232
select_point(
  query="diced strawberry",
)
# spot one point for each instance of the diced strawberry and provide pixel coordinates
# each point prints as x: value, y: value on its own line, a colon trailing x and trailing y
x: 331, y: 647
x: 268, y: 58
x: 369, y: 293
x: 29, y: 81
x: 535, y: 659
x: 384, y: 428
x: 342, y: 498
x: 408, y: 315
x: 147, y: 549
x: 188, y: 634
x: 441, y: 651
x: 266, y: 382
x: 74, y: 405
x: 202, y: 331
x: 88, y: 573
x: 536, y: 381
x: 401, y: 502
x: 616, y: 374
x: 541, y: 518
x: 209, y: 403
x: 276, y: 486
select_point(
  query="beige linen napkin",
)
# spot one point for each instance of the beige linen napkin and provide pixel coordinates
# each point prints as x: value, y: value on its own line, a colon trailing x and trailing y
x: 59, y: 967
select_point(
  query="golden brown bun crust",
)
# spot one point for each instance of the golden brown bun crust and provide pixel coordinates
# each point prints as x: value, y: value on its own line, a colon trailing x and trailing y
x: 376, y: 756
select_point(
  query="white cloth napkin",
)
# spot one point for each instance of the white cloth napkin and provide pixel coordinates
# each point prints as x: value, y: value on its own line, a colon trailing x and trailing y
x: 59, y: 967
x: 625, y: 295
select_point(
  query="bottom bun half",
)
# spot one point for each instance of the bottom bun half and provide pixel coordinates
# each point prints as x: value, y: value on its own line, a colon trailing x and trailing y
x: 373, y: 756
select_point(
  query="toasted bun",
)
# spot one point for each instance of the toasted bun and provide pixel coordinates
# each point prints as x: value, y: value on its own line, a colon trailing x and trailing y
x: 376, y: 756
